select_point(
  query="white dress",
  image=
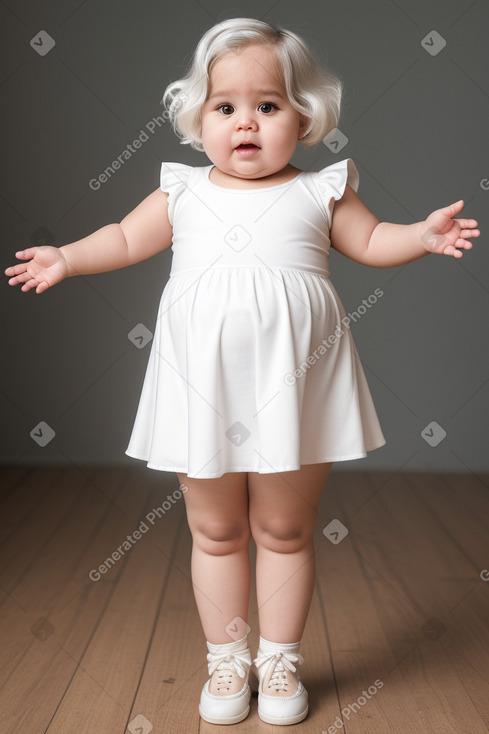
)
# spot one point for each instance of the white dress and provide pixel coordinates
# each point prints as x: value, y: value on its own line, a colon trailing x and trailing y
x: 252, y: 367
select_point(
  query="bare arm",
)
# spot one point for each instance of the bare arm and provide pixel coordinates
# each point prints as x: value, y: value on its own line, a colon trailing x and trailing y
x: 357, y: 233
x: 144, y: 232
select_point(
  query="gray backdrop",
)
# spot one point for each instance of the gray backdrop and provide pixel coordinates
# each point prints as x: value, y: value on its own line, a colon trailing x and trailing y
x: 416, y: 117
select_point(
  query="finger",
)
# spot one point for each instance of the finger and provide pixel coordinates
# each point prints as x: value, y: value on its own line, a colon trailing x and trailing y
x: 19, y: 279
x: 26, y: 254
x: 24, y: 277
x: 451, y: 250
x: 16, y: 269
x: 42, y: 287
x: 469, y: 233
x: 466, y: 223
x: 29, y: 284
x: 452, y: 209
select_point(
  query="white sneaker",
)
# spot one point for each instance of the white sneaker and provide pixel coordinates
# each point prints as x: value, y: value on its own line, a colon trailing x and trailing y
x: 282, y: 699
x: 225, y: 698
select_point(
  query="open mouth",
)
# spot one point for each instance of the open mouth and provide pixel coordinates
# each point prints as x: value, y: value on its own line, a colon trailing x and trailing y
x: 247, y: 146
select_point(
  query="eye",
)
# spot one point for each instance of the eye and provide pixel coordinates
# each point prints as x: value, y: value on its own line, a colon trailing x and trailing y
x: 269, y: 105
x: 228, y: 107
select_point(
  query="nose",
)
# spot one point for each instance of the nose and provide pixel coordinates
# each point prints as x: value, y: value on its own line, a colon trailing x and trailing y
x: 246, y: 122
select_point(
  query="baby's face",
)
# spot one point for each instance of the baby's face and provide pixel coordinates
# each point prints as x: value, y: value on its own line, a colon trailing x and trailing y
x: 247, y: 101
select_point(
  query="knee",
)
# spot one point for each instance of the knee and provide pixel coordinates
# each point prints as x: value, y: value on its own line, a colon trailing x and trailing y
x: 281, y: 535
x: 221, y: 537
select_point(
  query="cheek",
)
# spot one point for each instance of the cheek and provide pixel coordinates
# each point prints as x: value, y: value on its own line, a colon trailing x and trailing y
x: 284, y: 137
x: 285, y: 131
x: 212, y: 133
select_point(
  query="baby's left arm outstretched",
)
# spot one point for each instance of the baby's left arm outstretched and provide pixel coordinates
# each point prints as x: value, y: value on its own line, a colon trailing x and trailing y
x: 357, y: 233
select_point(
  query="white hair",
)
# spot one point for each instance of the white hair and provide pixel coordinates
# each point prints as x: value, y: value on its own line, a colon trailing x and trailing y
x: 314, y: 92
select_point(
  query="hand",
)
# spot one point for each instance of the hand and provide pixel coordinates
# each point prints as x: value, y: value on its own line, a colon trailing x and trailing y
x: 442, y: 235
x: 45, y: 267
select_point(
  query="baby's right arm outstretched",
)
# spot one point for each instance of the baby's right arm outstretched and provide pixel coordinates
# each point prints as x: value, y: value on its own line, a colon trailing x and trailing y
x: 144, y: 232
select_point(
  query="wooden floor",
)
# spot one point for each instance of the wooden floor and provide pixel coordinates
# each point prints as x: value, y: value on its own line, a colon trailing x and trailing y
x: 397, y: 639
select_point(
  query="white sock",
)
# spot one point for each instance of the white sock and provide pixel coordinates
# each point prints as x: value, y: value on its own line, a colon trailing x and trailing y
x: 239, y: 648
x: 228, y: 647
x: 266, y: 647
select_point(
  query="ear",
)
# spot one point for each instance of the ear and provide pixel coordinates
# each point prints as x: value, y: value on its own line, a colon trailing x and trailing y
x: 303, y: 124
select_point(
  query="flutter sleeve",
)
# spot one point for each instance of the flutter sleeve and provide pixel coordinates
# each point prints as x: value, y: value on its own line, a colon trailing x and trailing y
x: 332, y: 181
x: 174, y: 179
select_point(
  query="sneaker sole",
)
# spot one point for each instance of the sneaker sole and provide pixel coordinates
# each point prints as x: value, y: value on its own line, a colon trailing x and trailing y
x: 281, y: 720
x: 224, y: 719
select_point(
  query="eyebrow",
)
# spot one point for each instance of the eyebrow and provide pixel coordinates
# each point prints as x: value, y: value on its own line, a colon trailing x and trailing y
x: 261, y: 92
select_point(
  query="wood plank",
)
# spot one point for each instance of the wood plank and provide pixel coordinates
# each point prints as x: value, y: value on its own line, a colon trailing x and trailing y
x: 110, y: 665
x: 43, y: 669
x: 397, y: 591
x: 399, y: 600
x: 74, y: 605
x: 176, y: 667
x: 360, y: 649
x: 38, y: 508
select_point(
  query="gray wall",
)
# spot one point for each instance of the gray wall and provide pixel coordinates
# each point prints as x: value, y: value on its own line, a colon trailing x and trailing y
x: 417, y: 128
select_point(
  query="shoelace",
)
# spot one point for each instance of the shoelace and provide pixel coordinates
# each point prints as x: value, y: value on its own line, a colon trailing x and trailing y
x: 235, y: 662
x: 278, y: 663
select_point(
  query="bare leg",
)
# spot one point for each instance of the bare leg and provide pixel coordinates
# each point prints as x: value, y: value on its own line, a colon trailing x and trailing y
x: 217, y: 513
x: 283, y: 511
